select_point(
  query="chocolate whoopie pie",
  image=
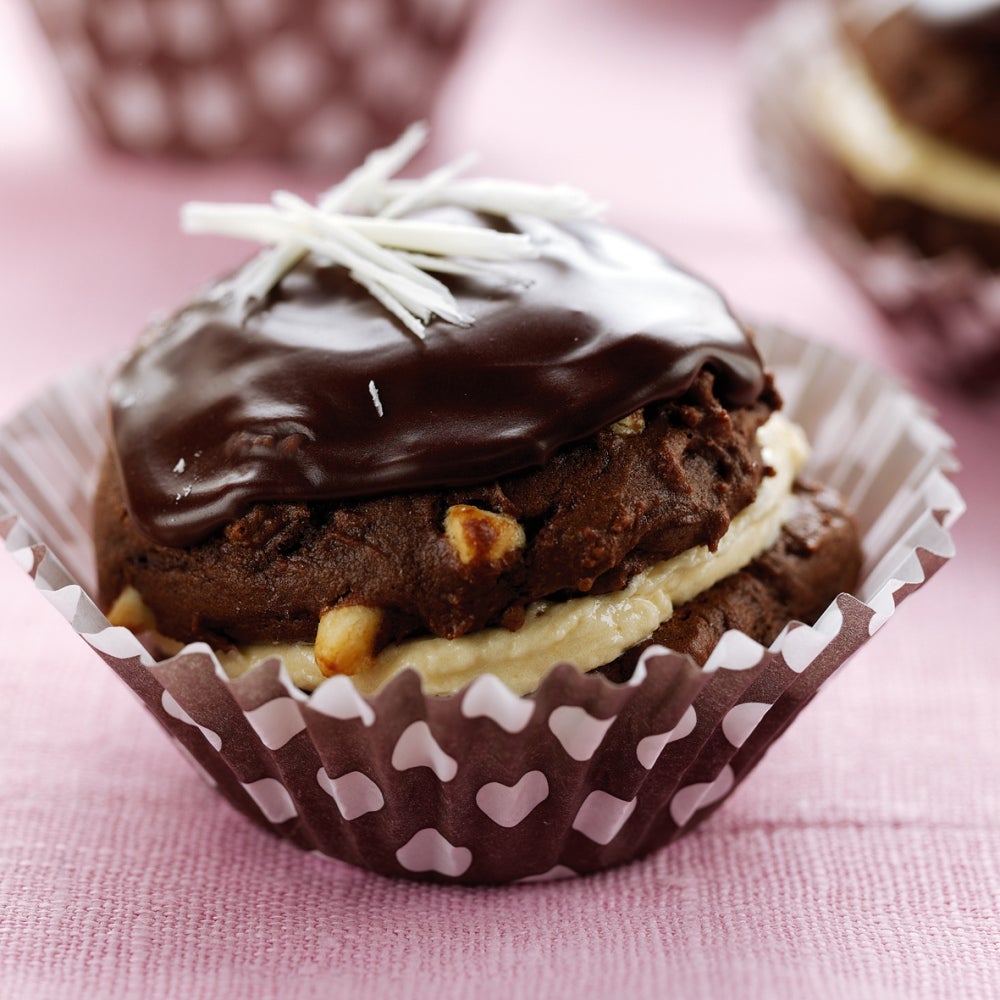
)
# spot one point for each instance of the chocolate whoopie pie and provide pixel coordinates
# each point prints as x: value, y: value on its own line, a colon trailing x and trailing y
x: 587, y: 457
x: 909, y: 110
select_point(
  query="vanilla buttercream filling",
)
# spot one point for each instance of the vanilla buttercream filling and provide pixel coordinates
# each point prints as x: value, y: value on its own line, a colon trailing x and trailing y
x: 585, y: 631
x: 885, y: 154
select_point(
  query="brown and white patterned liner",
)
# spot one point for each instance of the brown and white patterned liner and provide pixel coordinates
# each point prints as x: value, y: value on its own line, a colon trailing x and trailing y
x: 947, y: 308
x: 314, y: 80
x: 485, y: 786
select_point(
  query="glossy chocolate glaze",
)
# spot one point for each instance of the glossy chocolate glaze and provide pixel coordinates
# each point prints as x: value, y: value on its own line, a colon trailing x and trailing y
x: 227, y: 405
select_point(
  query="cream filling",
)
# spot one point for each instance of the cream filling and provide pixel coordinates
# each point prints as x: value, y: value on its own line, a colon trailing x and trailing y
x: 585, y: 631
x: 888, y: 156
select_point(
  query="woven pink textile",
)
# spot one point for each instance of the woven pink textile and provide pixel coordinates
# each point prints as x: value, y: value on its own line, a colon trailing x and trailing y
x: 862, y: 858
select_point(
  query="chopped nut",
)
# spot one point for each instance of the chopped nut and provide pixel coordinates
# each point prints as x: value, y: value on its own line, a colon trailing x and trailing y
x: 131, y: 612
x: 345, y: 639
x: 634, y: 423
x: 480, y: 536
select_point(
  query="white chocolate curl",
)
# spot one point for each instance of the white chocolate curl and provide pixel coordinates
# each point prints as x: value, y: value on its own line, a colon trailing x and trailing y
x: 358, y: 225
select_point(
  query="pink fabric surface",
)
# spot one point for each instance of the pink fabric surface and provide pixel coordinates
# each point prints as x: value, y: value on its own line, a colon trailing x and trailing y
x: 862, y: 858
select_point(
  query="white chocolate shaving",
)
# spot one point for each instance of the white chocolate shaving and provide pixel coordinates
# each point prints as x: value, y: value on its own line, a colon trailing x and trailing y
x: 358, y: 225
x: 373, y: 392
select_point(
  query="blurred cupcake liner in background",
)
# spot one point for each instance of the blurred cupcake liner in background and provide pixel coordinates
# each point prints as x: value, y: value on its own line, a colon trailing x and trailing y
x: 939, y: 292
x: 314, y: 81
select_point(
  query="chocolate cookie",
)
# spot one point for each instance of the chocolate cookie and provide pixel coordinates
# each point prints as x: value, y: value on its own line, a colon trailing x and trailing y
x: 936, y: 67
x: 452, y: 561
x: 936, y: 63
x: 816, y: 555
x: 300, y: 470
x: 929, y: 231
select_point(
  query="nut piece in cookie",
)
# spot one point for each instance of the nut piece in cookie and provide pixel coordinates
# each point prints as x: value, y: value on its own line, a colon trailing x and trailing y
x: 131, y: 612
x: 480, y: 536
x: 345, y: 639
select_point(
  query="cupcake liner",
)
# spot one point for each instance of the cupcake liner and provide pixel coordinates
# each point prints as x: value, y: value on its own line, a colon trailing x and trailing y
x: 485, y: 786
x: 314, y: 80
x: 945, y: 308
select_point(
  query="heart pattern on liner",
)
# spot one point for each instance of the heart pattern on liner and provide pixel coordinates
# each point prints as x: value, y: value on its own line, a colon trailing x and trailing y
x: 429, y: 851
x: 355, y: 793
x: 578, y: 731
x: 507, y: 805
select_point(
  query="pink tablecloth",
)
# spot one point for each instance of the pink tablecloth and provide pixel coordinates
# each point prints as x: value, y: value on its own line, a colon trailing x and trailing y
x: 861, y: 859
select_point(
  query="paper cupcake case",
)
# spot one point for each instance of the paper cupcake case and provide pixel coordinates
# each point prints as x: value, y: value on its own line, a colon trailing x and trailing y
x: 946, y: 309
x: 313, y: 80
x: 485, y: 786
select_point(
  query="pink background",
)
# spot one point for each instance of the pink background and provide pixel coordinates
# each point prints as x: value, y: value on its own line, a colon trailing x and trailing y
x: 862, y: 858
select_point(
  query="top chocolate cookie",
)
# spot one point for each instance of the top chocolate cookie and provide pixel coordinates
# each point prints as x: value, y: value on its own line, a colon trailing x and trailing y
x: 937, y: 62
x: 318, y: 393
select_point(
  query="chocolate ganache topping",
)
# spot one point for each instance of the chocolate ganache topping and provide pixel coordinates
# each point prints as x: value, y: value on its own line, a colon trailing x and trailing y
x: 317, y: 393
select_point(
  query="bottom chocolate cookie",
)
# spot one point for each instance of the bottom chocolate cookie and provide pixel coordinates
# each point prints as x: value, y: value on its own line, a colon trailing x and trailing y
x: 932, y: 232
x: 816, y: 557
